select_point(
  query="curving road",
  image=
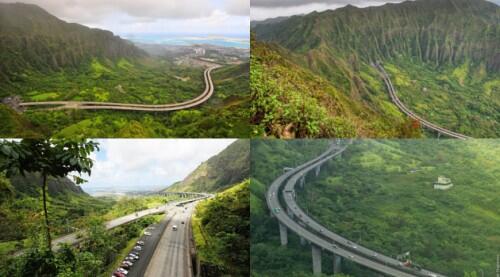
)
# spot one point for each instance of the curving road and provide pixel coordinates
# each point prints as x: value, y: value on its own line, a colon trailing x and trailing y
x: 86, y: 105
x: 294, y: 218
x: 172, y: 255
x: 408, y: 112
x: 75, y: 237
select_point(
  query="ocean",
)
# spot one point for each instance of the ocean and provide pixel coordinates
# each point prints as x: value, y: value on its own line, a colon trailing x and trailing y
x: 238, y: 42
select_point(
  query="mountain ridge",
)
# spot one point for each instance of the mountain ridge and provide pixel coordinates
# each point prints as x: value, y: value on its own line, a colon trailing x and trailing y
x: 219, y: 172
x: 33, y: 39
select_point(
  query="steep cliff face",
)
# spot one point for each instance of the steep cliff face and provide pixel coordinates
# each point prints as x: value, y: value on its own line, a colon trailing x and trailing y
x: 31, y: 38
x: 440, y: 32
x: 442, y: 56
x: 227, y: 168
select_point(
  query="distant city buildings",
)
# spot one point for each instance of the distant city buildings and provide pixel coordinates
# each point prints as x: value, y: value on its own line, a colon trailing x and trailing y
x: 199, y: 51
x: 443, y: 183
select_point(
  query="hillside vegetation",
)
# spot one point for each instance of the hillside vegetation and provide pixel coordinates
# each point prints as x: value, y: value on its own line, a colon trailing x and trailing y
x: 386, y: 187
x: 47, y: 59
x: 442, y: 56
x: 31, y: 38
x: 268, y: 257
x: 221, y: 228
x: 20, y: 209
x: 219, y: 172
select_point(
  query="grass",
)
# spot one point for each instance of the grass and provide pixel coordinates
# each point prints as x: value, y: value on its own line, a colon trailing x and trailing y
x: 365, y: 201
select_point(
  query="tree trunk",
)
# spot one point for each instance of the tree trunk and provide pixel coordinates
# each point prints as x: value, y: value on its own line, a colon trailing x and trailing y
x: 46, y: 215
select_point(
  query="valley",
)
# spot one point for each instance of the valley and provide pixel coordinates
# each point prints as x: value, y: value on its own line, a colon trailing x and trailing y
x: 50, y: 226
x: 372, y: 189
x: 45, y: 86
x: 441, y: 56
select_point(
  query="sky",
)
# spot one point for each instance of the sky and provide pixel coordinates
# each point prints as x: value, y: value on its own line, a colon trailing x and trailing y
x: 195, y: 17
x: 263, y: 9
x: 147, y: 164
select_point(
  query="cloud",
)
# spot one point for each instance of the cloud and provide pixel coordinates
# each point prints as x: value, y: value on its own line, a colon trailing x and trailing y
x: 139, y: 164
x: 263, y: 9
x: 186, y: 16
x: 238, y: 7
x: 292, y: 3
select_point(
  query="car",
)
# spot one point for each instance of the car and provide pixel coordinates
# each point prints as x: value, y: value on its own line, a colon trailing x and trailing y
x: 147, y: 233
x: 174, y: 227
x: 125, y: 265
x: 122, y: 270
x: 140, y: 242
x: 118, y: 274
x: 128, y: 262
x: 182, y: 222
x: 355, y: 246
x: 334, y: 245
x: 137, y: 248
x: 375, y: 255
x: 432, y: 275
x: 351, y: 257
x: 133, y: 257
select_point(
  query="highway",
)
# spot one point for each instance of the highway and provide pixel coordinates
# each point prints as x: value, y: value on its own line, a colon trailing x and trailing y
x: 172, y: 255
x: 294, y: 218
x: 76, y: 237
x: 87, y: 105
x: 408, y: 112
x: 149, y: 247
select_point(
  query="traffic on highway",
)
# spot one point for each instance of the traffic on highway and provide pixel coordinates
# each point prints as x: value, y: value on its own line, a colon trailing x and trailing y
x: 298, y: 221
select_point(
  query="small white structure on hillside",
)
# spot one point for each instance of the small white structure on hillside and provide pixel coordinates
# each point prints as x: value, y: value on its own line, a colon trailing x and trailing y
x: 443, y: 183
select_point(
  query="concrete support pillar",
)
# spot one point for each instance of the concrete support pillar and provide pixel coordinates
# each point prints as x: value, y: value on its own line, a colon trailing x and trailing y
x: 302, y: 181
x: 283, y: 234
x: 289, y: 212
x: 316, y: 259
x: 302, y: 241
x: 337, y: 263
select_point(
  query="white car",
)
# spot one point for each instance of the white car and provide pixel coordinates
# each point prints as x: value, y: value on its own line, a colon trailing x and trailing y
x: 147, y: 233
x: 174, y: 227
x: 137, y: 248
x: 122, y: 270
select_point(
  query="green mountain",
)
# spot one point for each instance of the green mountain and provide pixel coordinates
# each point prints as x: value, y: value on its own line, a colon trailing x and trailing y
x: 221, y: 230
x: 441, y: 54
x: 30, y: 184
x: 31, y: 38
x: 221, y: 171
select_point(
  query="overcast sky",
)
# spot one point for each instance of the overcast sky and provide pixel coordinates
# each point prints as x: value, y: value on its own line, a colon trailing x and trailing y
x: 263, y: 9
x: 207, y: 17
x: 141, y: 164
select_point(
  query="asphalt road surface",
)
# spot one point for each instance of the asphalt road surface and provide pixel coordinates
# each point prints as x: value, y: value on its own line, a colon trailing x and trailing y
x: 150, y: 243
x: 87, y: 105
x: 74, y: 238
x: 411, y: 114
x: 171, y: 257
x: 313, y: 232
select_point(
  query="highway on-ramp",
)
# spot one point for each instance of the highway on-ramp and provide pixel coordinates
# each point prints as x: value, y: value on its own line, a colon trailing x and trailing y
x: 87, y: 105
x: 172, y: 255
x: 300, y: 223
x: 395, y: 99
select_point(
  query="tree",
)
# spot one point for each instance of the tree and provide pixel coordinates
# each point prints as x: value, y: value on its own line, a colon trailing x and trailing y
x: 49, y: 157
